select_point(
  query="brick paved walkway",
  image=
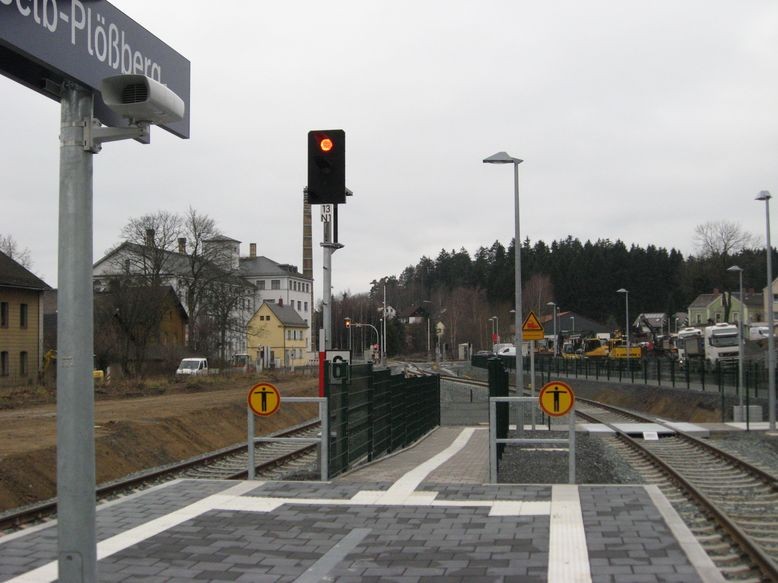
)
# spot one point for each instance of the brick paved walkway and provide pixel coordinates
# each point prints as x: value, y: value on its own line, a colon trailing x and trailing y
x: 422, y: 515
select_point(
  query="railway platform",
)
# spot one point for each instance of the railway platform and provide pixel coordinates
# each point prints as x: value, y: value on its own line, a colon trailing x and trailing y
x: 424, y: 514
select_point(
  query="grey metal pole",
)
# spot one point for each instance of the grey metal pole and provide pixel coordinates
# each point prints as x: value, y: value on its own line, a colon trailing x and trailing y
x: 327, y: 283
x: 77, y: 546
x: 571, y: 440
x: 555, y: 336
x: 517, y: 267
x: 764, y: 195
x: 492, y: 441
x: 324, y: 451
x: 626, y: 323
x: 383, y: 345
x: 741, y: 345
x: 250, y: 444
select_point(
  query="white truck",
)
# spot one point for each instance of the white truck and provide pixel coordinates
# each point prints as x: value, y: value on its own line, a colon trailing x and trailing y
x: 689, y: 345
x: 721, y: 343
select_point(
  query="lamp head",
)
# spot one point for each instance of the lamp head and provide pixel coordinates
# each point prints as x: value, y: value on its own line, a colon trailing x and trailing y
x: 763, y: 195
x: 622, y: 291
x: 734, y: 268
x: 502, y: 158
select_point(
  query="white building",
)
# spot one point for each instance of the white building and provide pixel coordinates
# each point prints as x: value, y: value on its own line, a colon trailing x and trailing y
x: 279, y: 283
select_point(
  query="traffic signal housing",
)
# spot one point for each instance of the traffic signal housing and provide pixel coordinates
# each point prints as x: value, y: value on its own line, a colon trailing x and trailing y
x: 326, y: 167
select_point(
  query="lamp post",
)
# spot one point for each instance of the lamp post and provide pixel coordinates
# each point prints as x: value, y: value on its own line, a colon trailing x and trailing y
x: 504, y: 158
x: 491, y: 338
x: 740, y: 346
x: 497, y: 327
x: 765, y: 196
x: 553, y: 305
x: 626, y: 318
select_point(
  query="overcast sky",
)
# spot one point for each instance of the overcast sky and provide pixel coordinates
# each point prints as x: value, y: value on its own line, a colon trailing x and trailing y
x: 636, y: 120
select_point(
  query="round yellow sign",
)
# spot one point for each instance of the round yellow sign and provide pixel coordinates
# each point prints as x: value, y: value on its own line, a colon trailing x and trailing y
x: 264, y: 399
x: 556, y: 398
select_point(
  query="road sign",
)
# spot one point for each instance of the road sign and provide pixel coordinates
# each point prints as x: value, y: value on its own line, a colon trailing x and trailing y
x: 264, y: 399
x: 340, y: 365
x: 531, y: 328
x: 556, y: 398
x: 43, y: 44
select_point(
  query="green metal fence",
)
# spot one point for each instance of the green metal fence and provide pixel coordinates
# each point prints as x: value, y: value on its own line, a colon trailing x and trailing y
x: 373, y: 413
x: 721, y: 378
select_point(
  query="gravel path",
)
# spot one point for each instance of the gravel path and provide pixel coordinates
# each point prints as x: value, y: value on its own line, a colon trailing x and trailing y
x: 595, y: 461
x: 598, y: 463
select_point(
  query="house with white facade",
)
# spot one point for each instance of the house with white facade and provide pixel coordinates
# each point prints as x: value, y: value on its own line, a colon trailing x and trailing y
x: 281, y: 284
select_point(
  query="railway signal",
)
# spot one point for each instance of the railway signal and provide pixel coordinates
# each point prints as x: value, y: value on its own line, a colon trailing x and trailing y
x: 327, y: 167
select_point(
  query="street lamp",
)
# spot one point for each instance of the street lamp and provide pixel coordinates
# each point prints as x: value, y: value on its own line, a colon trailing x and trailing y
x: 626, y: 319
x: 740, y: 346
x: 504, y: 158
x: 765, y: 196
x: 497, y: 327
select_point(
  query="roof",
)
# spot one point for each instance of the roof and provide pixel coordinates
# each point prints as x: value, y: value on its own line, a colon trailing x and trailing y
x: 286, y: 315
x: 221, y: 239
x: 262, y: 266
x: 174, y: 264
x: 703, y: 300
x: 13, y: 274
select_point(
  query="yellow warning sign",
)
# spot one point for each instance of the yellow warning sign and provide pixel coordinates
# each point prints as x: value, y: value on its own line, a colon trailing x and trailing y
x: 264, y: 399
x: 556, y: 398
x: 532, y: 329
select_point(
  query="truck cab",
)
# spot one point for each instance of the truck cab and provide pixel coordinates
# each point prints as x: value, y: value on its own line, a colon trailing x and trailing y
x: 721, y: 343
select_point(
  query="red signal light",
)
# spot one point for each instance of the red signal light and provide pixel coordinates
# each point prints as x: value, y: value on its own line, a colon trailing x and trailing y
x: 325, y: 144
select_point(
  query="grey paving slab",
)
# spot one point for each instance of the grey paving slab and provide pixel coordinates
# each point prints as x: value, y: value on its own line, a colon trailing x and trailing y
x: 39, y: 546
x: 394, y: 542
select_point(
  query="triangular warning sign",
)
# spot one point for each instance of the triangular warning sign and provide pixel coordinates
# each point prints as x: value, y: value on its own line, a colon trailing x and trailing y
x: 531, y: 329
x: 531, y: 323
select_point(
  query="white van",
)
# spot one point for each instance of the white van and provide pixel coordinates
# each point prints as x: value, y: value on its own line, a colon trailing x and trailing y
x: 192, y: 366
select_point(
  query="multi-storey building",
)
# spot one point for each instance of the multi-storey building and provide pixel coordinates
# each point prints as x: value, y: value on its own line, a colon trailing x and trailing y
x: 21, y: 322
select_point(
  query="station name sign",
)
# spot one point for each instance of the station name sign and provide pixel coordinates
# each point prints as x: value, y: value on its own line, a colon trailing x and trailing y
x: 45, y: 42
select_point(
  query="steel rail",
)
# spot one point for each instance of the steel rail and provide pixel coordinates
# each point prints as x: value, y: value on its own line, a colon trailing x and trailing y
x: 760, y: 558
x: 15, y: 518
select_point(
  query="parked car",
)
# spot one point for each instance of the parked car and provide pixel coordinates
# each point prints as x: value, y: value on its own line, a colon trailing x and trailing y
x: 192, y: 366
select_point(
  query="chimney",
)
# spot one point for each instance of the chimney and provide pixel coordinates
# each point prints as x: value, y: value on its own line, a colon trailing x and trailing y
x: 182, y: 245
x: 149, y: 237
x: 252, y: 249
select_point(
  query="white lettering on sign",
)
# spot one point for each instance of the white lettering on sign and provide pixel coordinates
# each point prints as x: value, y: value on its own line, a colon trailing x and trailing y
x: 104, y: 41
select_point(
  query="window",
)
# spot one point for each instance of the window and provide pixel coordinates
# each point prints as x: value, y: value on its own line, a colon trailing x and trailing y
x: 3, y: 314
x: 261, y: 284
x: 4, y: 371
x: 23, y: 364
x: 299, y: 305
x: 275, y: 284
x: 23, y: 316
x: 305, y: 306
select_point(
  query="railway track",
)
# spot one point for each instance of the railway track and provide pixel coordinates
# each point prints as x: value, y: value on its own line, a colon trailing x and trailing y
x: 730, y: 505
x: 274, y: 461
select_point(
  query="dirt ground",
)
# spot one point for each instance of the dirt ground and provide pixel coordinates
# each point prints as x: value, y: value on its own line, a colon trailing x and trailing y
x: 137, y: 426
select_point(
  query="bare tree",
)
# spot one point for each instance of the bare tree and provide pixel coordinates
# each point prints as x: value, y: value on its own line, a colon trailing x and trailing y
x: 722, y: 238
x: 155, y: 236
x: 717, y: 242
x: 10, y: 247
x: 537, y: 293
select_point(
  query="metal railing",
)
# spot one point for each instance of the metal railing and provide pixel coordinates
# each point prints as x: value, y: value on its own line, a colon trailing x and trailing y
x: 495, y: 441
x: 321, y: 439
